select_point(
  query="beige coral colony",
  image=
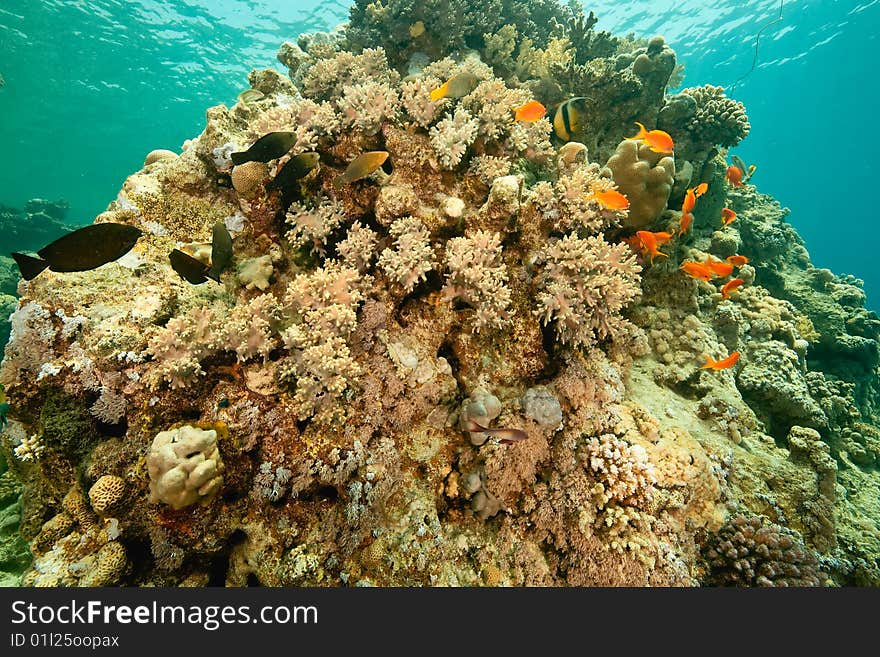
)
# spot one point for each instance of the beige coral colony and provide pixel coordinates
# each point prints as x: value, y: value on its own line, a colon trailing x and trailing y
x: 463, y: 367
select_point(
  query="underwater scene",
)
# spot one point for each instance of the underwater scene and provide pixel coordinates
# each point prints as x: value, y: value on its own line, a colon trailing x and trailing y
x: 438, y: 293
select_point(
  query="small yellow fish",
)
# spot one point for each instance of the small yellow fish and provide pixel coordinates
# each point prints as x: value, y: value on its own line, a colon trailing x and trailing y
x: 417, y: 29
x: 456, y: 86
x: 361, y: 167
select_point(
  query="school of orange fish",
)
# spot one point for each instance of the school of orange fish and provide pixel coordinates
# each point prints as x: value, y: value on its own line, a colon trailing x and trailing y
x: 646, y: 243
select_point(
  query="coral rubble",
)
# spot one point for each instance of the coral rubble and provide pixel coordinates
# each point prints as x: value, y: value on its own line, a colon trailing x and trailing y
x: 459, y: 369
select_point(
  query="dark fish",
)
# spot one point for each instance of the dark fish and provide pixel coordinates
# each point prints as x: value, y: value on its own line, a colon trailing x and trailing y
x: 190, y: 269
x: 83, y: 249
x: 361, y: 167
x: 270, y: 146
x: 224, y: 180
x: 4, y: 407
x: 504, y: 436
x: 297, y: 167
x: 221, y: 250
x: 286, y: 179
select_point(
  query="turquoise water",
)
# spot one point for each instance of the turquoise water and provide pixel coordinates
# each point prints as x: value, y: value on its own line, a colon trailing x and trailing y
x: 91, y: 87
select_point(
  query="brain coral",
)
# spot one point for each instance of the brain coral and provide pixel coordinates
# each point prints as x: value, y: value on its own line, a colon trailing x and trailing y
x: 106, y: 493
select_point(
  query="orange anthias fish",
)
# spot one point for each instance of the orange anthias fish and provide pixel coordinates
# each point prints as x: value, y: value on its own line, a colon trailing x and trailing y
x: 701, y: 189
x: 651, y: 242
x: 734, y: 176
x: 737, y: 260
x: 690, y: 202
x: 723, y: 364
x: 720, y: 269
x: 657, y: 140
x: 730, y: 286
x: 685, y: 222
x: 696, y: 270
x: 727, y: 216
x: 530, y: 112
x: 611, y: 199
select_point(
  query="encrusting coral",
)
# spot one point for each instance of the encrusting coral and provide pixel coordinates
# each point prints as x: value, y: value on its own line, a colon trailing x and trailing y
x: 465, y: 367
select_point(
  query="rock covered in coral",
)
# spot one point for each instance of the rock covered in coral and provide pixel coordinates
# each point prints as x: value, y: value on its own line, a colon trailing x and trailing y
x: 447, y: 372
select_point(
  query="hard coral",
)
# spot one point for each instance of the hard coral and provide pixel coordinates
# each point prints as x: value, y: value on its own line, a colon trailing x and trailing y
x: 476, y: 275
x: 583, y: 285
x: 184, y: 466
x: 750, y: 551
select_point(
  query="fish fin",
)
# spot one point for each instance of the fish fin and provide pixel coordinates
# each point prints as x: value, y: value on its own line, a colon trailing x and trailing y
x: 238, y: 158
x: 29, y: 266
x: 213, y: 275
x: 439, y: 92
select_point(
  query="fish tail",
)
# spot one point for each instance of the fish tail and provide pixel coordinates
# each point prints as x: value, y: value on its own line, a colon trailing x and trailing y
x: 339, y: 181
x: 439, y: 92
x: 238, y: 158
x: 29, y: 266
x: 642, y: 132
x: 709, y: 362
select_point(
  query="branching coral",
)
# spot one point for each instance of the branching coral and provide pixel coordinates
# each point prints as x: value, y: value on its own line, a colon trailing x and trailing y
x: 452, y: 136
x: 625, y: 473
x: 412, y: 256
x: 367, y: 105
x: 320, y: 363
x: 358, y: 248
x: 476, y: 275
x: 582, y: 287
x: 311, y: 223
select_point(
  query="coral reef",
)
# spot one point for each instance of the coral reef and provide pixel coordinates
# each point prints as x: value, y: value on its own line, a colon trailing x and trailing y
x: 459, y: 369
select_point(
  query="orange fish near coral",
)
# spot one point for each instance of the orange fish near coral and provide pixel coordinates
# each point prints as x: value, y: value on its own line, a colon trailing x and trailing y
x: 701, y: 189
x: 737, y: 260
x: 685, y: 223
x: 721, y: 269
x: 734, y: 176
x: 730, y: 286
x: 696, y: 270
x: 657, y: 140
x: 723, y: 364
x: 727, y: 216
x: 651, y: 242
x: 611, y: 199
x: 690, y: 202
x: 530, y: 112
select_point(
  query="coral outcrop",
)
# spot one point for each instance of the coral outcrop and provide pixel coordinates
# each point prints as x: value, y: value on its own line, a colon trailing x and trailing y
x: 457, y: 369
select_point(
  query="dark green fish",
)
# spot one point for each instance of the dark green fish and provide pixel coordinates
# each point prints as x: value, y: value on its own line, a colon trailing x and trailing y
x: 361, y: 167
x: 270, y: 146
x: 221, y: 251
x: 286, y: 179
x: 297, y: 167
x: 83, y: 249
x: 190, y: 269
